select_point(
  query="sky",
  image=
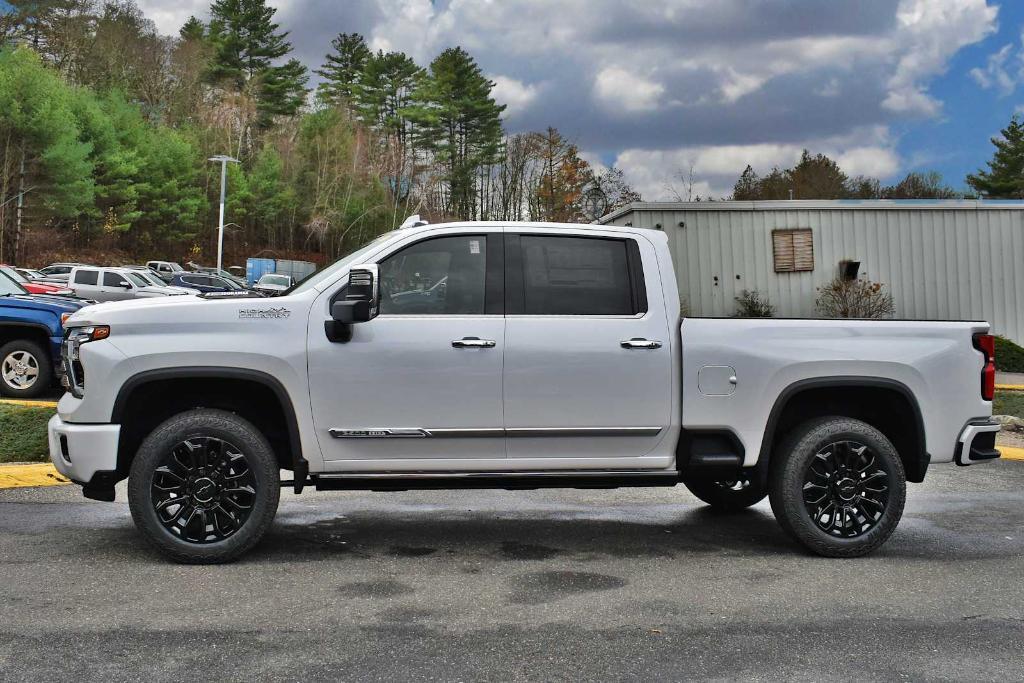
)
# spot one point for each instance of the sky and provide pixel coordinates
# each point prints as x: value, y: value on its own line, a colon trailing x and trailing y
x: 660, y: 87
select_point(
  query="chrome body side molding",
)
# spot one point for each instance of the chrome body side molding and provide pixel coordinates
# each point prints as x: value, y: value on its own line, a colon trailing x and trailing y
x: 515, y: 432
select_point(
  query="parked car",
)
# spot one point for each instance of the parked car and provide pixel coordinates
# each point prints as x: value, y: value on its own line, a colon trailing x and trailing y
x: 554, y: 356
x: 59, y: 271
x: 31, y: 274
x: 155, y: 280
x: 35, y: 286
x: 115, y: 284
x: 273, y: 284
x: 240, y: 281
x: 165, y: 270
x: 31, y: 332
x: 206, y: 282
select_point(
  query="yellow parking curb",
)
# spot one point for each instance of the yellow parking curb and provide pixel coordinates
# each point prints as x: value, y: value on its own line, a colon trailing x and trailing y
x: 35, y: 474
x: 1010, y: 387
x: 1011, y: 453
x: 29, y: 404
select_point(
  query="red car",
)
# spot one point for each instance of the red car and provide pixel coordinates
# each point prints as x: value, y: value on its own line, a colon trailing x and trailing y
x: 32, y: 286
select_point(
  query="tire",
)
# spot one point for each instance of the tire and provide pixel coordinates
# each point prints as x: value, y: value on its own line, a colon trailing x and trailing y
x: 224, y: 473
x: 26, y: 370
x: 728, y: 496
x: 837, y: 486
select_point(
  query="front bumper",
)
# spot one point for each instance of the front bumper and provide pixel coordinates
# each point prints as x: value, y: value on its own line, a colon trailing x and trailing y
x: 79, y: 451
x: 977, y: 443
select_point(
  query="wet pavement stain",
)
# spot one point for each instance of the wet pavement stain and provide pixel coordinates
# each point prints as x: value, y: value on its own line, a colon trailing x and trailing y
x: 410, y: 551
x: 513, y: 550
x: 540, y: 587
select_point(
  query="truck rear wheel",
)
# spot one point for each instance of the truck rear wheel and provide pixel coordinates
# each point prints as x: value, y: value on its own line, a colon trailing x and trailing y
x: 837, y: 486
x: 728, y: 496
x: 204, y: 487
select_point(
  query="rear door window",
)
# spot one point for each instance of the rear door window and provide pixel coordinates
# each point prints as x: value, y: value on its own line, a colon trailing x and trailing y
x: 576, y: 276
x: 86, y: 277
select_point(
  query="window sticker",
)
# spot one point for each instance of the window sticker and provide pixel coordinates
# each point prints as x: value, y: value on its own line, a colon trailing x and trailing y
x: 474, y: 246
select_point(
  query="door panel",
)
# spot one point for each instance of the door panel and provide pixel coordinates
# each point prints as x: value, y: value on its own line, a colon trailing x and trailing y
x: 572, y: 388
x: 422, y: 381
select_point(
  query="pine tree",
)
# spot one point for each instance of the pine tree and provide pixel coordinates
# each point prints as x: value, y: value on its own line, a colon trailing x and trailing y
x: 282, y: 91
x: 1004, y: 178
x: 192, y: 29
x: 747, y: 187
x: 342, y: 69
x: 246, y: 40
x: 460, y: 123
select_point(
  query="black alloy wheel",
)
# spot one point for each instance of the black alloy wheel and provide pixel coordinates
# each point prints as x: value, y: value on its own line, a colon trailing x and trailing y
x: 845, y: 489
x: 204, y: 491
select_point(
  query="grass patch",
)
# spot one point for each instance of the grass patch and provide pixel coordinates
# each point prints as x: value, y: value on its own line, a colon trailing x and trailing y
x: 1009, y: 356
x: 1009, y: 403
x: 23, y: 433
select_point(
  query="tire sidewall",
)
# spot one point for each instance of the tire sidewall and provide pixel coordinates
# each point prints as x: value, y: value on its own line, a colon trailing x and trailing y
x: 788, y: 479
x: 259, y: 457
x: 43, y: 379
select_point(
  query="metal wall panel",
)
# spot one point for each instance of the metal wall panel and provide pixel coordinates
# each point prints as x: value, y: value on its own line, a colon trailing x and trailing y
x: 940, y: 260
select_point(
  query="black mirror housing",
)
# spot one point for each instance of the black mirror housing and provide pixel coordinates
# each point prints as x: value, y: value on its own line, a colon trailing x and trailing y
x: 351, y: 311
x: 358, y: 306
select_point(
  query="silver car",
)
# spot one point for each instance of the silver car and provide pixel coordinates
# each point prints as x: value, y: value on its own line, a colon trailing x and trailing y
x: 117, y: 284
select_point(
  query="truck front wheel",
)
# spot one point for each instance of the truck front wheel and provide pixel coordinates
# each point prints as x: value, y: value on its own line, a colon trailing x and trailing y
x: 204, y: 487
x: 728, y: 496
x: 837, y: 486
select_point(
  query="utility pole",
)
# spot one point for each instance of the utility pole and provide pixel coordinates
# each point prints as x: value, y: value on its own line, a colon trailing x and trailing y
x: 224, y: 160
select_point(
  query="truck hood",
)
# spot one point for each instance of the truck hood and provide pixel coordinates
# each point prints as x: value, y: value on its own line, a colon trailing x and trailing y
x: 174, y: 310
x: 41, y: 302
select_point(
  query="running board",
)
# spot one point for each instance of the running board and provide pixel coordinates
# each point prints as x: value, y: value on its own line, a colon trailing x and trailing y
x: 405, y: 481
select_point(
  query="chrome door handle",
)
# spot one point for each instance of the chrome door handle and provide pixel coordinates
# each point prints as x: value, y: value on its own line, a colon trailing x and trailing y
x: 474, y: 343
x: 638, y: 343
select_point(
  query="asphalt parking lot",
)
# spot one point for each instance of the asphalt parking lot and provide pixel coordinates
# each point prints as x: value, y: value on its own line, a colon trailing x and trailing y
x: 484, y: 585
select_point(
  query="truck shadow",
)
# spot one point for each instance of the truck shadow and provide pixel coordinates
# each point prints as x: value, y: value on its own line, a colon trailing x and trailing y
x: 487, y: 537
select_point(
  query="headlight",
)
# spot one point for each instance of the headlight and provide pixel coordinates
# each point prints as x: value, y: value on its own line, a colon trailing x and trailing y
x: 74, y: 337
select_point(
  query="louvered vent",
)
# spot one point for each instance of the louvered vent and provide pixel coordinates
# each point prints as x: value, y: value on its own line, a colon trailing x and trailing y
x: 793, y: 250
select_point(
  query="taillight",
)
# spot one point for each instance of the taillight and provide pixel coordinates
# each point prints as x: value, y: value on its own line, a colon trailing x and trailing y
x: 986, y: 343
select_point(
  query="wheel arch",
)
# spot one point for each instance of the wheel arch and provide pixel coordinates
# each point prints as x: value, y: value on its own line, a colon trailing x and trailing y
x: 224, y: 377
x: 844, y: 395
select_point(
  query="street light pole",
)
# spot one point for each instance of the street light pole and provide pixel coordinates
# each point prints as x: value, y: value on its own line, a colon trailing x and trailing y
x: 223, y: 159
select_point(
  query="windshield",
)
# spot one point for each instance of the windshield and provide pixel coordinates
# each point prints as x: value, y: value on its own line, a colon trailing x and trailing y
x: 138, y: 280
x: 13, y: 274
x: 150, y: 278
x: 9, y: 286
x: 331, y: 271
x: 274, y: 280
x: 230, y: 284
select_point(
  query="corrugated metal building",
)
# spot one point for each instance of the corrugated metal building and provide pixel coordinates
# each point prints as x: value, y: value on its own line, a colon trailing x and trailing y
x: 941, y: 260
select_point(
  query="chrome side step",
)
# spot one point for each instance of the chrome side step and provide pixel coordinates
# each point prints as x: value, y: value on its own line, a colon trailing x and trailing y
x: 404, y: 481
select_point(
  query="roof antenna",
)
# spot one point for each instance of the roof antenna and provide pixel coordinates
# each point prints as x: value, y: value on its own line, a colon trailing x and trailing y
x: 413, y: 221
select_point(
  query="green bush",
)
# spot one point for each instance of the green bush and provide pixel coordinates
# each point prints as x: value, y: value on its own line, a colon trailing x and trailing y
x: 23, y: 433
x: 1009, y: 356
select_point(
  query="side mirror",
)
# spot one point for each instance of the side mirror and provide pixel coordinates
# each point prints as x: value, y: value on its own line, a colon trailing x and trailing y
x: 361, y: 303
x: 125, y: 284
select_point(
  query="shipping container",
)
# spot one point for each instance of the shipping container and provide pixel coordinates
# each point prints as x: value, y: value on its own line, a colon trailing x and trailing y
x: 255, y: 268
x: 299, y: 270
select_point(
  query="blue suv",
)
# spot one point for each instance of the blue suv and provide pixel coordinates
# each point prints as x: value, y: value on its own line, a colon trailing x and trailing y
x: 31, y: 332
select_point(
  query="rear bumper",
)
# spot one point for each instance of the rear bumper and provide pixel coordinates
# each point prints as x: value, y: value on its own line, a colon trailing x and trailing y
x: 977, y: 443
x: 79, y: 451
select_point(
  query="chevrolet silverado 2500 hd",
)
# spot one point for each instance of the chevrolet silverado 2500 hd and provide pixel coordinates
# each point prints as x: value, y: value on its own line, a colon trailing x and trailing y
x: 508, y: 356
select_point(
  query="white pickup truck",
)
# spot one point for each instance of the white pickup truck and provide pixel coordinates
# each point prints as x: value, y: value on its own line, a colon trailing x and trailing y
x: 505, y: 355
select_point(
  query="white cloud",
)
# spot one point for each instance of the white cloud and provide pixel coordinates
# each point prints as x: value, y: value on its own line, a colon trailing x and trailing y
x: 516, y: 94
x: 930, y: 32
x: 1004, y: 70
x: 659, y: 174
x: 621, y: 90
